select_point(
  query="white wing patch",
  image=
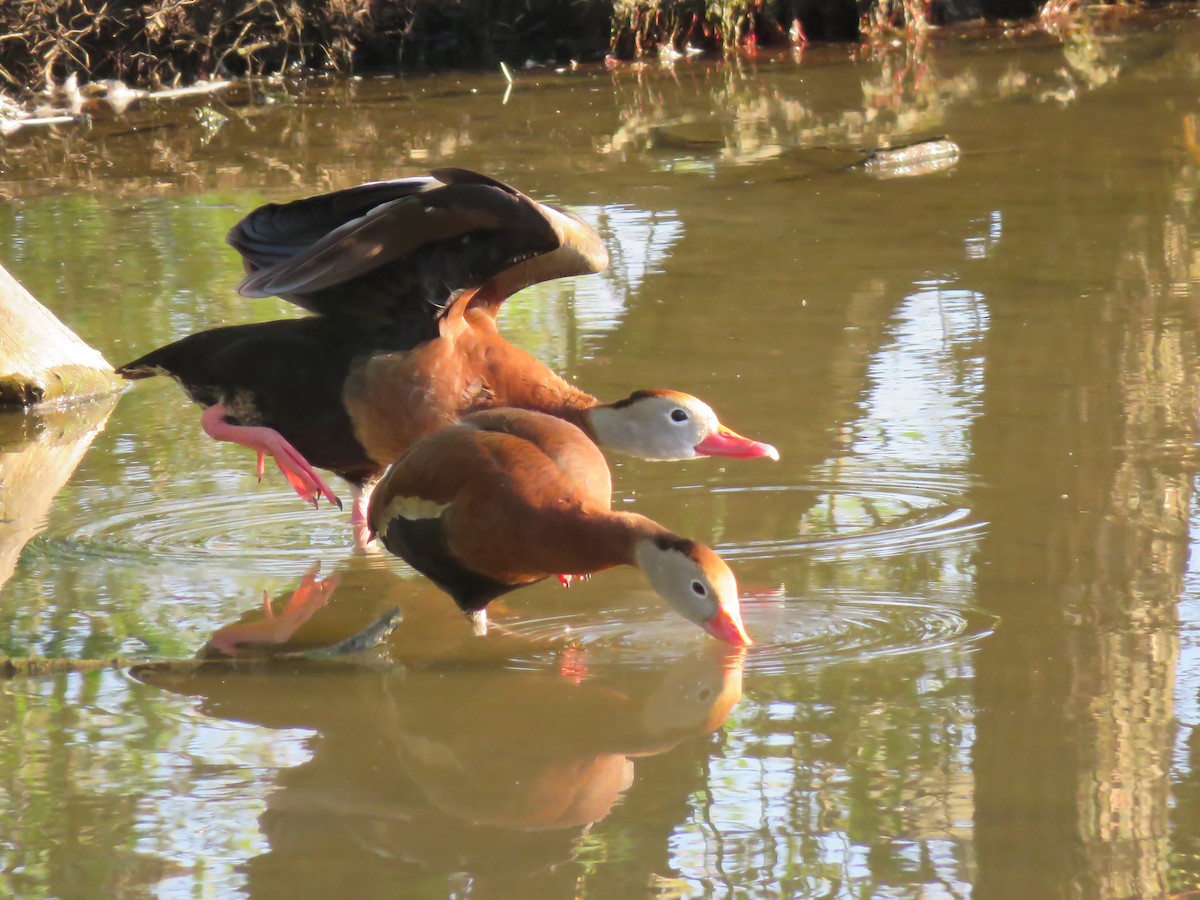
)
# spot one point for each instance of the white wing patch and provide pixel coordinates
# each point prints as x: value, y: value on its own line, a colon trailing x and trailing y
x: 410, y: 508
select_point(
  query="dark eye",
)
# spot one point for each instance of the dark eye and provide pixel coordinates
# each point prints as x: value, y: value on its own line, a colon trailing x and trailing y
x: 698, y: 589
x: 678, y: 415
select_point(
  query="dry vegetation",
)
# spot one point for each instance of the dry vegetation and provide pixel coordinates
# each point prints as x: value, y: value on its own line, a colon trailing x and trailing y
x: 161, y: 42
x: 157, y: 43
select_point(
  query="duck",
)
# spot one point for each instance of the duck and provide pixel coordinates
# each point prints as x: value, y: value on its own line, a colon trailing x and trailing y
x: 403, y: 280
x: 508, y: 497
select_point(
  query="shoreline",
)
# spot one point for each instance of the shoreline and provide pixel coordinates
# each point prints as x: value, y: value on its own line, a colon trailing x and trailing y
x: 166, y: 44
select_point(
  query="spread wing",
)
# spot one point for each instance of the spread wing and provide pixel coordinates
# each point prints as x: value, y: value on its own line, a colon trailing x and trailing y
x: 401, y: 251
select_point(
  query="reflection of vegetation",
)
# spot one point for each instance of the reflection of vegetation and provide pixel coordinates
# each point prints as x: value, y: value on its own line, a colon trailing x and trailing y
x: 167, y: 40
x: 853, y: 777
x: 872, y: 789
x: 96, y: 777
x: 691, y: 114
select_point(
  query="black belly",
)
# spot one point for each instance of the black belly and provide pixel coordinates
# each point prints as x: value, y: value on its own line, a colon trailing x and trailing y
x: 422, y: 544
x: 287, y: 375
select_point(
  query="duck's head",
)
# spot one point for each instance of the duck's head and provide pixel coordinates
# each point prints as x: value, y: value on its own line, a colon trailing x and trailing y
x: 669, y: 425
x: 696, y: 582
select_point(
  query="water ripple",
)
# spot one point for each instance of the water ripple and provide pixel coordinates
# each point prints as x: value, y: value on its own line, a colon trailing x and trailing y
x: 235, y: 526
x: 882, y: 515
x: 790, y: 632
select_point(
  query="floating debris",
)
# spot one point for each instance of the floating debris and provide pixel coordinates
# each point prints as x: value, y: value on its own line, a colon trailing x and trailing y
x: 10, y: 125
x: 367, y: 639
x: 210, y: 121
x: 918, y: 158
x: 120, y: 96
x: 200, y: 87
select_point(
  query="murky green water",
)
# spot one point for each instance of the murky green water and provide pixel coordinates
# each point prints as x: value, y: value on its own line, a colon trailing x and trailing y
x: 969, y: 577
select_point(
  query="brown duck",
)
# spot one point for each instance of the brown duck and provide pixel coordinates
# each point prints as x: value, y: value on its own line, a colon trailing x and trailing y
x: 405, y: 278
x: 508, y: 497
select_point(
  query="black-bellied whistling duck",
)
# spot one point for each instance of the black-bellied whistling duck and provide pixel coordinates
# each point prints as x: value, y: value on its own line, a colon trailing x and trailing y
x: 508, y: 497
x: 405, y: 278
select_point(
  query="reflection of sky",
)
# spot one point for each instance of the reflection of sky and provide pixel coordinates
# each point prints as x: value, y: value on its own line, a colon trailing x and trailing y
x: 638, y: 241
x: 912, y: 438
x: 1187, y: 678
x: 788, y: 819
x: 926, y: 383
x: 771, y: 820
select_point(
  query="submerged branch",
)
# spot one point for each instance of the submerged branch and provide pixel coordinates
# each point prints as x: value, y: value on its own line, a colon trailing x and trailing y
x: 367, y: 639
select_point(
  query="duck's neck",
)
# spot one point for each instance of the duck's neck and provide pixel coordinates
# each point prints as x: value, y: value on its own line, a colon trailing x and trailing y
x: 601, y: 540
x: 518, y: 379
x: 608, y: 428
x: 577, y: 407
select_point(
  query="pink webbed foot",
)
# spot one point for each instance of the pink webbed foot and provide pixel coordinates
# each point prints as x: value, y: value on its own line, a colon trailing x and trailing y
x: 364, y: 534
x: 268, y: 442
x: 274, y: 628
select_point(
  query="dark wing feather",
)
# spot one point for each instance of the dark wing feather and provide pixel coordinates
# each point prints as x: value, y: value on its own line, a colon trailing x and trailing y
x: 400, y: 251
x: 277, y: 231
x: 381, y: 236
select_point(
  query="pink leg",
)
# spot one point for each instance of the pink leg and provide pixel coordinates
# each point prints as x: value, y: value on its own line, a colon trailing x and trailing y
x: 267, y: 441
x: 363, y: 533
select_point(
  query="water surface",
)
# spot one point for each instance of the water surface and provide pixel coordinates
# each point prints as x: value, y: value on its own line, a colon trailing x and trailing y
x: 969, y: 576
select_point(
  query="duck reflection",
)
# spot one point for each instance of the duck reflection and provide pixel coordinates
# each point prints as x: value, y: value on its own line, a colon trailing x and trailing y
x: 455, y: 764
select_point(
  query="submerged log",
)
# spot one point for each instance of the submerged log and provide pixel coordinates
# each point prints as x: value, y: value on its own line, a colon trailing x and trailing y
x: 367, y: 639
x: 41, y: 359
x: 918, y: 158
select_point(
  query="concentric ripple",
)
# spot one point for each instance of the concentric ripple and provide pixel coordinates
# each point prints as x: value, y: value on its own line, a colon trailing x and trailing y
x: 882, y: 515
x: 258, y: 526
x: 790, y: 632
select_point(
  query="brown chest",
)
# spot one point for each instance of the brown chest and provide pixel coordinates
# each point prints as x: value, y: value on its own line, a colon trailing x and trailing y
x: 395, y: 399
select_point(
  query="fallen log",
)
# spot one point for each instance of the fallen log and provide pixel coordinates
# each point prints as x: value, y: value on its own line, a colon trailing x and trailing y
x: 41, y: 359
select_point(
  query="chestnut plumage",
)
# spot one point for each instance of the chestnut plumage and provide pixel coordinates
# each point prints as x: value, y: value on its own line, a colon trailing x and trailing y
x: 405, y: 278
x: 509, y: 497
